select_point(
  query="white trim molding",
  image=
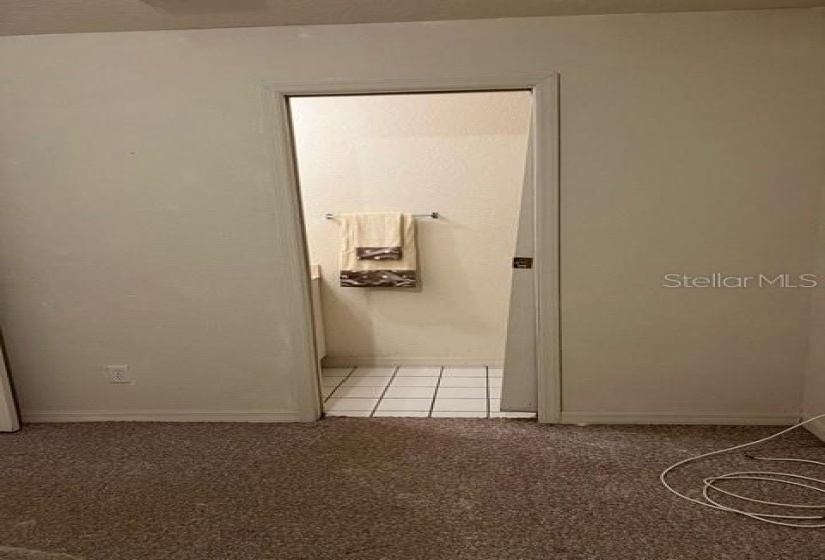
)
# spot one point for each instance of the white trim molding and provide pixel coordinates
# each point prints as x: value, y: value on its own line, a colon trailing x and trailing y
x: 817, y: 428
x: 43, y: 416
x: 682, y: 418
x: 545, y: 169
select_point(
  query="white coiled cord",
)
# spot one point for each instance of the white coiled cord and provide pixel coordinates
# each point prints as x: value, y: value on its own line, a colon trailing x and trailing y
x: 812, y: 519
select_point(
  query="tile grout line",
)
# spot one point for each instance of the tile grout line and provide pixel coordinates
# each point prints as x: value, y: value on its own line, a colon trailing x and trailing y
x: 435, y: 393
x: 436, y: 389
x: 347, y: 376
x: 384, y: 392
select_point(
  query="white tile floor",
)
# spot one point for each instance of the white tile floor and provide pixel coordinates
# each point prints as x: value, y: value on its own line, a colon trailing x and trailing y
x: 439, y: 392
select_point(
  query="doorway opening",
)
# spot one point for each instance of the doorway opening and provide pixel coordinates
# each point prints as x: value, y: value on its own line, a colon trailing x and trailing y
x: 532, y: 372
x: 455, y: 162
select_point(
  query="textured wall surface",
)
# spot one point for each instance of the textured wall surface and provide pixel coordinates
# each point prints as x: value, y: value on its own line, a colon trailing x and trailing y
x: 814, y: 392
x: 459, y: 154
x: 137, y: 223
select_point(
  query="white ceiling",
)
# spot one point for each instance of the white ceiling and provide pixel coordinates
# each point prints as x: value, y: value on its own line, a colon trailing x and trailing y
x: 28, y: 17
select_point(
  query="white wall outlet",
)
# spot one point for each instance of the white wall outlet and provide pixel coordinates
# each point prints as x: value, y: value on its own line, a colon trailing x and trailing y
x: 119, y: 374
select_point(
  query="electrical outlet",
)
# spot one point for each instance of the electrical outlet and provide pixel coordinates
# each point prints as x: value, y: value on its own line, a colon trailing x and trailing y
x: 119, y: 374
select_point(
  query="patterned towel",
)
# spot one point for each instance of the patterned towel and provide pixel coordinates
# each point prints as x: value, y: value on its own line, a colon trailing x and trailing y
x: 378, y: 266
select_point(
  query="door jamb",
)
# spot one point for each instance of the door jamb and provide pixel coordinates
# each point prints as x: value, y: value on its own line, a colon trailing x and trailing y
x: 545, y: 138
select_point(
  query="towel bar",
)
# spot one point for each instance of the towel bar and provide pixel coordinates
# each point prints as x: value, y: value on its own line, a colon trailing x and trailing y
x: 433, y: 215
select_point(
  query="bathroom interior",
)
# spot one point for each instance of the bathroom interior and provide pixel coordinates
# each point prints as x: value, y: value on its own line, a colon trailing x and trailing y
x: 454, y: 163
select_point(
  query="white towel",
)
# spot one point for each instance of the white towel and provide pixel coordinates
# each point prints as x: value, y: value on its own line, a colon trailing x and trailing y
x: 392, y: 268
x: 376, y: 236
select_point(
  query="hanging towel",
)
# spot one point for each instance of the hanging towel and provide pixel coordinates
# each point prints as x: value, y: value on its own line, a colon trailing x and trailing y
x: 364, y: 231
x: 377, y: 236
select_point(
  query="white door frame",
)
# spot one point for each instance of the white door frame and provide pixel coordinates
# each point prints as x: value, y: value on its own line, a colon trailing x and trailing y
x: 545, y: 138
x: 9, y: 414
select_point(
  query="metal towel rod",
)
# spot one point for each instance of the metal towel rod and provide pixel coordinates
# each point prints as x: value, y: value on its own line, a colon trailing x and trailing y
x: 433, y: 215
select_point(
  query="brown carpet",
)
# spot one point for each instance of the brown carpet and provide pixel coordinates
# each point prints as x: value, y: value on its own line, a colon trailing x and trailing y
x: 375, y: 489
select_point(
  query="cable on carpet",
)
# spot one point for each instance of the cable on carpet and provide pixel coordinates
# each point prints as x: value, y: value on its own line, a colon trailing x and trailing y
x: 806, y: 515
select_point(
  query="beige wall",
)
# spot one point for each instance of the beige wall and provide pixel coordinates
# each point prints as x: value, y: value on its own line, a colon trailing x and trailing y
x: 459, y: 154
x: 814, y: 393
x: 137, y: 223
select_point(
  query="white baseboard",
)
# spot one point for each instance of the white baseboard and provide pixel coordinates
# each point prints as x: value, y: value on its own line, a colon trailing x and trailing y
x: 817, y: 428
x: 43, y: 416
x: 332, y: 361
x: 663, y: 418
